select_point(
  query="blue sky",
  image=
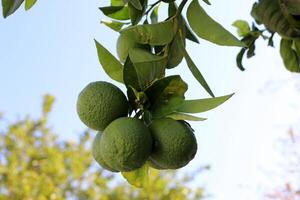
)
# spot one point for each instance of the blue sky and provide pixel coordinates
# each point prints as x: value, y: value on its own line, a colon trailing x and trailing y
x: 51, y: 50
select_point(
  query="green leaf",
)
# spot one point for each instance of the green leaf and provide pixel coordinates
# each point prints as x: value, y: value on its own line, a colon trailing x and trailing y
x: 115, y: 25
x: 202, y: 105
x: 289, y: 55
x: 239, y: 59
x: 135, y: 14
x: 195, y: 71
x: 207, y: 2
x: 117, y: 3
x: 10, y: 6
x: 154, y: 15
x: 166, y: 95
x: 154, y: 34
x: 116, y: 12
x: 29, y: 4
x: 174, y: 55
x: 183, y: 116
x: 190, y: 35
x: 296, y: 43
x: 147, y: 66
x: 243, y: 27
x: 138, y: 178
x: 207, y: 28
x: 110, y: 64
x: 172, y: 9
x: 130, y: 75
x: 136, y: 3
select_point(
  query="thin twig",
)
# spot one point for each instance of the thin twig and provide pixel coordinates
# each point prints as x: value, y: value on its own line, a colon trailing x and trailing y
x: 181, y: 6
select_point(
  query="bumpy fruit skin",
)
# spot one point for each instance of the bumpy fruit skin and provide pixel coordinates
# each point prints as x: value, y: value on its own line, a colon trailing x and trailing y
x: 99, y: 103
x: 126, y: 144
x: 175, y: 144
x: 98, y: 155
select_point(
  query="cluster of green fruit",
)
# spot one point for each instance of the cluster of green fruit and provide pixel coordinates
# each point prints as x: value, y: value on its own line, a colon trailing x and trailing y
x: 124, y: 143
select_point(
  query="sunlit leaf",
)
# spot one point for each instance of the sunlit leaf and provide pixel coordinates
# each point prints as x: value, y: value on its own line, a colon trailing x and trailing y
x: 183, y: 116
x: 29, y: 4
x: 154, y: 34
x: 115, y: 25
x: 207, y: 28
x: 154, y: 15
x: 117, y: 2
x: 138, y: 178
x: 243, y: 27
x: 110, y: 64
x: 116, y: 12
x: 202, y: 105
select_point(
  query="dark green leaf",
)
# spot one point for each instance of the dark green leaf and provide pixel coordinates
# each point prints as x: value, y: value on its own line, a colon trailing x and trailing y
x: 239, y: 59
x: 207, y: 28
x: 207, y: 2
x: 174, y: 56
x: 202, y: 105
x: 115, y: 25
x: 270, y: 40
x: 172, y: 9
x: 243, y: 27
x: 136, y: 3
x: 289, y: 55
x: 154, y: 34
x: 138, y: 178
x: 29, y: 4
x: 116, y: 12
x: 110, y: 64
x: 136, y: 14
x: 166, y: 94
x: 183, y: 116
x: 148, y: 67
x: 10, y: 6
x: 190, y: 35
x: 195, y: 71
x: 130, y: 75
x: 251, y: 51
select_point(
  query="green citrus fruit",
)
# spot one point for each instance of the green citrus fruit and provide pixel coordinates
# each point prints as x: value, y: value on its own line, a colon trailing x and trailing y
x: 97, y: 154
x: 99, y: 103
x: 126, y: 144
x: 175, y: 144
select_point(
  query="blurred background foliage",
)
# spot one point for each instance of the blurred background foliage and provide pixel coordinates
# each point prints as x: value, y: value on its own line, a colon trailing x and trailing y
x: 289, y: 148
x: 36, y: 165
